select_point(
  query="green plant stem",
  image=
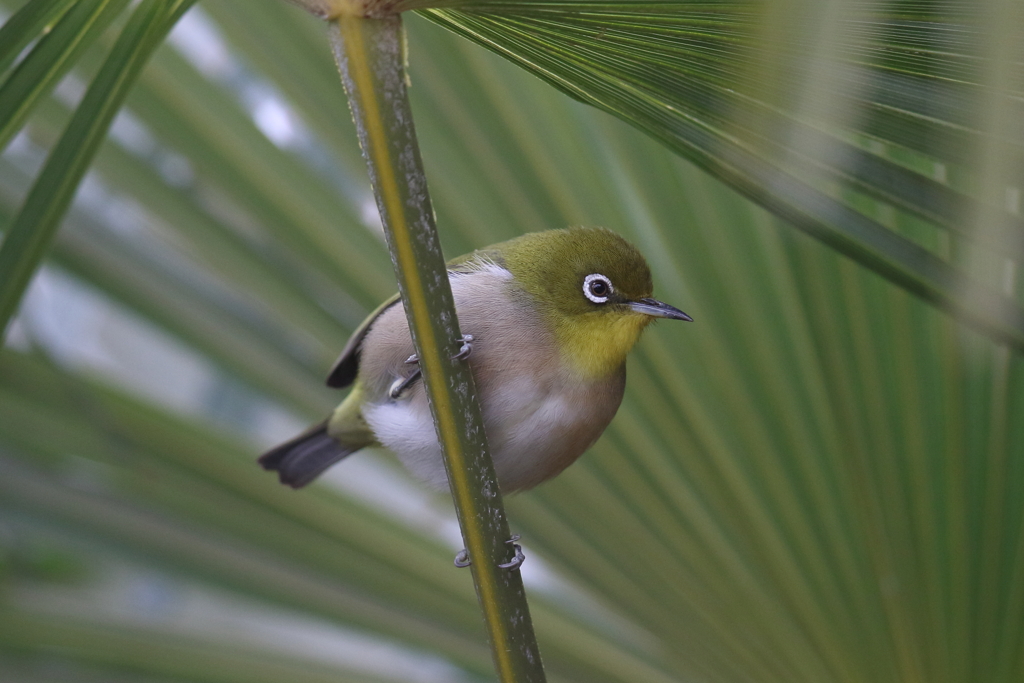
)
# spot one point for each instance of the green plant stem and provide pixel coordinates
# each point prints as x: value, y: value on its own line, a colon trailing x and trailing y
x: 28, y: 238
x: 370, y: 56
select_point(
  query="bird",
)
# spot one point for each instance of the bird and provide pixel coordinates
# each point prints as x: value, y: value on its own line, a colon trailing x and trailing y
x: 548, y: 319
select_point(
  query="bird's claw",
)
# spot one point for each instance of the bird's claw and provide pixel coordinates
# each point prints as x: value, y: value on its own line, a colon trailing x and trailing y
x: 465, y: 349
x: 402, y: 383
x: 462, y: 557
x: 518, y: 560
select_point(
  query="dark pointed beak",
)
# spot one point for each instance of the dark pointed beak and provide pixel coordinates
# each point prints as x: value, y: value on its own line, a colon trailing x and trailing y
x: 657, y: 309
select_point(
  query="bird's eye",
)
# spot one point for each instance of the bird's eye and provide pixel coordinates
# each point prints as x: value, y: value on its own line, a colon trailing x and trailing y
x: 597, y: 288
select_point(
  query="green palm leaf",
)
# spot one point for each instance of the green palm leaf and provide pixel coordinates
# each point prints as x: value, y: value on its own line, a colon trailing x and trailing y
x: 29, y: 234
x: 857, y: 122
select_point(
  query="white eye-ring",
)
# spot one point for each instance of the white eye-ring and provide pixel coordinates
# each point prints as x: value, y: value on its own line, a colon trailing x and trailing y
x: 597, y: 288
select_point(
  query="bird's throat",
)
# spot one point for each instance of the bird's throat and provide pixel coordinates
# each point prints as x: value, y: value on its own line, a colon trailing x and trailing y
x: 594, y: 347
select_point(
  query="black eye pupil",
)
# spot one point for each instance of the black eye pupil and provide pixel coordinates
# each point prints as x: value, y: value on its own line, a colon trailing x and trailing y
x: 598, y: 288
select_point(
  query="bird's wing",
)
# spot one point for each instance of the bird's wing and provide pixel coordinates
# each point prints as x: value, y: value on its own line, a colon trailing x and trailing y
x: 345, y: 369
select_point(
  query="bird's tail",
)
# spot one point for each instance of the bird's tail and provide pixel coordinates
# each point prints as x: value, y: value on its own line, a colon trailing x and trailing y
x: 304, y: 458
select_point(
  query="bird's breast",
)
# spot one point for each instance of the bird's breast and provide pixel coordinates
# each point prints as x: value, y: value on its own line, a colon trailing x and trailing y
x: 538, y: 425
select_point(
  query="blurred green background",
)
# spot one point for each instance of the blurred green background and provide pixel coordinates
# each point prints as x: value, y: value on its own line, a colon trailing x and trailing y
x: 821, y: 479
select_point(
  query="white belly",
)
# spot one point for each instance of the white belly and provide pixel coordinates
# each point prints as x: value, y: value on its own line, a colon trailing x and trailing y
x: 535, y: 430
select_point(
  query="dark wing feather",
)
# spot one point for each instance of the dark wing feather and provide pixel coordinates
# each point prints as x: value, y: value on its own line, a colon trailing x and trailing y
x: 345, y: 369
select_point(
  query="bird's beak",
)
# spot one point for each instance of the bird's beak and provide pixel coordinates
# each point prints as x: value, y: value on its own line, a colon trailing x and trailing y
x: 657, y: 309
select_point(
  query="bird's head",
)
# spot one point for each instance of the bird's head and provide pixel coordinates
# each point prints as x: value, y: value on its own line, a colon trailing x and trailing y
x: 593, y: 287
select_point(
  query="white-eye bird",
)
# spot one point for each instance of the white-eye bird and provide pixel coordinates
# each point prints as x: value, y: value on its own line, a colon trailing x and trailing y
x: 551, y: 315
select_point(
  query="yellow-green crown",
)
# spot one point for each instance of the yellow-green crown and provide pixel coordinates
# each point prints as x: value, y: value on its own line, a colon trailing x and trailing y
x: 562, y: 272
x: 553, y: 265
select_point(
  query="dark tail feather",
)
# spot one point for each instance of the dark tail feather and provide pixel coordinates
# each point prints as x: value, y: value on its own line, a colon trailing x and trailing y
x: 304, y: 458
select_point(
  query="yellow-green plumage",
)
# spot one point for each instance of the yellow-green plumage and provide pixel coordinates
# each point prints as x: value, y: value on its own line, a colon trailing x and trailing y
x: 594, y: 339
x: 553, y: 316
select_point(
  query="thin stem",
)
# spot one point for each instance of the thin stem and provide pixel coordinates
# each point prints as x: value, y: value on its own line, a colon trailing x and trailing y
x: 370, y: 56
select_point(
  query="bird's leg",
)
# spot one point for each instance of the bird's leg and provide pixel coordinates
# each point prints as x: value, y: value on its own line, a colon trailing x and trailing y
x: 465, y: 349
x: 518, y: 560
x: 402, y: 383
x: 462, y: 557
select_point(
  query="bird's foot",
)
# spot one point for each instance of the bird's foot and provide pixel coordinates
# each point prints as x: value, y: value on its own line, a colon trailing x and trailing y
x: 462, y: 557
x: 465, y: 349
x: 518, y: 560
x: 402, y: 383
